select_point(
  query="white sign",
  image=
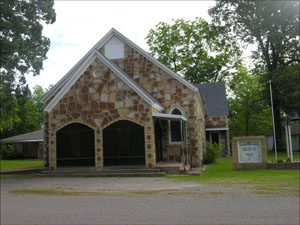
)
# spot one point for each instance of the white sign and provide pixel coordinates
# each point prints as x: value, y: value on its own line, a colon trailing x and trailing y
x: 249, y: 151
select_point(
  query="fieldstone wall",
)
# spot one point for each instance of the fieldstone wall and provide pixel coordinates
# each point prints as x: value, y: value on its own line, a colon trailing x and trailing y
x: 98, y: 102
x: 170, y: 93
x: 220, y: 121
x: 217, y: 121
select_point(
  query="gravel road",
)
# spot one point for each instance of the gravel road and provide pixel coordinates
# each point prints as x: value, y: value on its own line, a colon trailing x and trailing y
x: 140, y: 201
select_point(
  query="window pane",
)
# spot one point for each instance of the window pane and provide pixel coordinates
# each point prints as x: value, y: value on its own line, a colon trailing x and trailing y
x: 176, y: 112
x: 175, y: 131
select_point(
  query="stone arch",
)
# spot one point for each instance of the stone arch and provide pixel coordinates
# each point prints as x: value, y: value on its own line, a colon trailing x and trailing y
x: 123, y: 143
x: 125, y: 118
x: 61, y: 126
x: 75, y: 145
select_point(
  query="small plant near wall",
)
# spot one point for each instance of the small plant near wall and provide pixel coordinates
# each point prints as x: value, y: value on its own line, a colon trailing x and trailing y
x: 212, y: 151
x: 10, y: 153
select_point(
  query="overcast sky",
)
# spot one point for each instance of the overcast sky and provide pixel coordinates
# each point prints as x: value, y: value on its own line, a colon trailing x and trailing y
x: 80, y: 24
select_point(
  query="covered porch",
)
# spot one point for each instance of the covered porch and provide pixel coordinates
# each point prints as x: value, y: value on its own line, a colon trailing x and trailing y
x: 171, y: 148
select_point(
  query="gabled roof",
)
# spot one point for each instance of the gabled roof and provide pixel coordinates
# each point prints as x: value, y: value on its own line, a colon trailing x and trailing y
x: 113, y: 67
x: 35, y: 136
x: 214, y: 98
x: 101, y: 43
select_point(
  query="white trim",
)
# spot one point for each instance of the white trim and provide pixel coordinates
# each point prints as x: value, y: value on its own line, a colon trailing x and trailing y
x: 169, y: 116
x: 126, y: 79
x: 70, y: 82
x: 181, y: 131
x: 63, y: 80
x: 131, y: 83
x: 216, y: 129
x: 100, y: 44
x: 155, y: 61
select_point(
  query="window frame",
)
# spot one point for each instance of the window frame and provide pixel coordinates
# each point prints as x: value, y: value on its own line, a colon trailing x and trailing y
x: 181, y: 128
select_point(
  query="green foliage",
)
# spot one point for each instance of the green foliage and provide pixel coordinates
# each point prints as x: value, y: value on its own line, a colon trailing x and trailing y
x: 195, y: 49
x: 212, y: 152
x: 273, y: 26
x: 23, y: 48
x: 286, y: 80
x: 28, y: 111
x: 248, y: 112
x: 10, y: 153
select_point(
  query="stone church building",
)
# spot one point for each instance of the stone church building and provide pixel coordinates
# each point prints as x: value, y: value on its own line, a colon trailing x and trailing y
x: 119, y: 106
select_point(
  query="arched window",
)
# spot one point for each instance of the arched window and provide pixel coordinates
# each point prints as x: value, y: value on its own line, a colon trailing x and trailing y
x: 176, y: 128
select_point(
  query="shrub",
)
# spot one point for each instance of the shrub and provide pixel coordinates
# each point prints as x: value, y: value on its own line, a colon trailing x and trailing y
x: 212, y: 151
x: 10, y: 153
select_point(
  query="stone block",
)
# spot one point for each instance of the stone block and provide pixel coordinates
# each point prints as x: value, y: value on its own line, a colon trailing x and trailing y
x: 112, y: 97
x: 104, y: 97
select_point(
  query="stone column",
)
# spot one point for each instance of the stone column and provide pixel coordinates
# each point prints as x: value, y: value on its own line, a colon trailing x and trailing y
x: 150, y: 157
x: 98, y: 149
x: 52, y: 150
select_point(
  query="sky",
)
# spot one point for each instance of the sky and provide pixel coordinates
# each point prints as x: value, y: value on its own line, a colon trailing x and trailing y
x: 81, y: 24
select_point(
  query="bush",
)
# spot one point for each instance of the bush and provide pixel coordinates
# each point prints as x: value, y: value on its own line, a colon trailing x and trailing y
x: 10, y: 153
x: 212, y: 151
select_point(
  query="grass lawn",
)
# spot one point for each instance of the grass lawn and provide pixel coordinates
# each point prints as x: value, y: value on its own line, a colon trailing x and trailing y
x: 282, y: 156
x: 261, y: 180
x: 5, y: 164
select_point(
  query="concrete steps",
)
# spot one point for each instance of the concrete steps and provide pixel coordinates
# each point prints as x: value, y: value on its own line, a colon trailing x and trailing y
x: 107, y: 172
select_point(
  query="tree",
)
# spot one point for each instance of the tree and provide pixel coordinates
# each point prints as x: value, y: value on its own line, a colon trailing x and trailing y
x: 195, y: 49
x: 273, y: 26
x: 248, y: 112
x: 28, y: 111
x: 23, y: 50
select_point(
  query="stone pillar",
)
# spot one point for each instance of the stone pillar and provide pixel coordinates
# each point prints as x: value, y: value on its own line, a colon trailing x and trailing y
x: 52, y: 150
x: 98, y: 149
x: 150, y: 157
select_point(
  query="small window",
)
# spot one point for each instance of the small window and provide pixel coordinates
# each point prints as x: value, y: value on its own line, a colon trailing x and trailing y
x: 176, y: 129
x: 114, y: 49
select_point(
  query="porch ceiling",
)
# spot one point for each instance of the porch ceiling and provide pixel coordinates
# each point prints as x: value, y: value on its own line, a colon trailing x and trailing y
x: 164, y: 116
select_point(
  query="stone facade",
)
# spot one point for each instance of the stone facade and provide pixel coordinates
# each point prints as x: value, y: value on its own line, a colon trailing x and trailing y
x: 219, y: 122
x: 98, y: 102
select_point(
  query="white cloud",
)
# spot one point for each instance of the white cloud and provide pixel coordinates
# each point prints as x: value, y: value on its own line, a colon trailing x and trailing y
x: 80, y: 24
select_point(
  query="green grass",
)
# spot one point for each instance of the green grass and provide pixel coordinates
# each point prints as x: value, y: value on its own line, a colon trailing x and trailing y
x: 35, y: 191
x: 282, y: 156
x: 5, y: 164
x: 221, y: 173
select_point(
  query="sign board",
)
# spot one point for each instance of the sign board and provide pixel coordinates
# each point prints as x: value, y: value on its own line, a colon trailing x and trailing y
x: 249, y: 151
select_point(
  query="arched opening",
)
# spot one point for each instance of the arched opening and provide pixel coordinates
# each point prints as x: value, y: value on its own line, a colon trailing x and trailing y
x: 123, y: 144
x: 75, y: 146
x: 176, y: 128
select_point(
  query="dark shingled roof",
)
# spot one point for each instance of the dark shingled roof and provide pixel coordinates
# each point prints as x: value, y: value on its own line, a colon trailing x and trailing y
x: 28, y: 137
x: 214, y: 98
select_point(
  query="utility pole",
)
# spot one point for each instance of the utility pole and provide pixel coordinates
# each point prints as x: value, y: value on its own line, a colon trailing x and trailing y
x: 274, y: 133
